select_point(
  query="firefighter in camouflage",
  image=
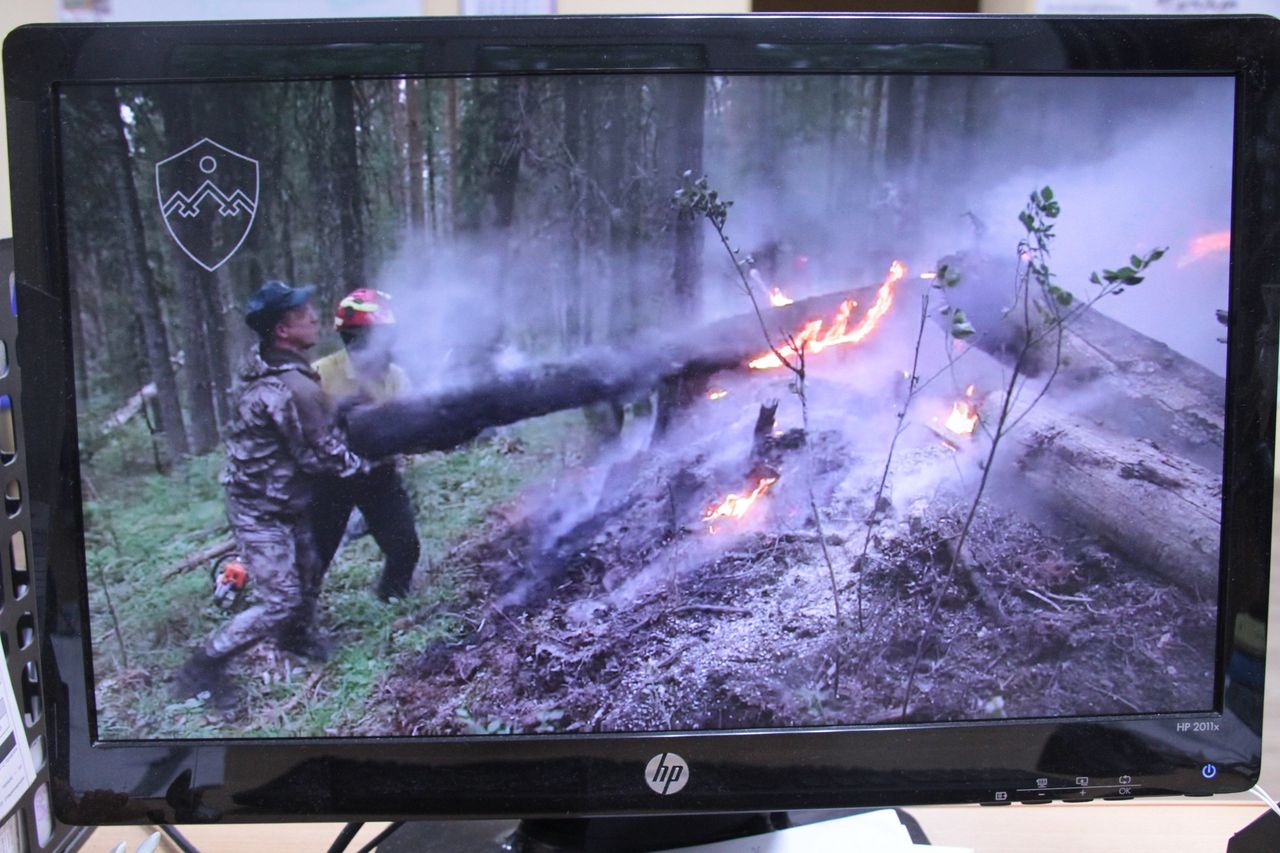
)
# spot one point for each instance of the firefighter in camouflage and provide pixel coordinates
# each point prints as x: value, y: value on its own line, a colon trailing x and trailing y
x: 362, y: 372
x: 282, y: 439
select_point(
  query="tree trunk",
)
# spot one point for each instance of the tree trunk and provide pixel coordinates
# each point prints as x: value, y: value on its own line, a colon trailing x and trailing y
x: 572, y: 320
x: 346, y: 174
x: 413, y: 103
x: 509, y: 139
x: 193, y: 282
x: 146, y: 294
x: 430, y: 153
x: 84, y: 274
x: 621, y: 158
x: 452, y: 171
x: 688, y: 101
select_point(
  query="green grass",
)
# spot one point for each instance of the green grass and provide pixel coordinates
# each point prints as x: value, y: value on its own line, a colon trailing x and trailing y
x: 141, y: 524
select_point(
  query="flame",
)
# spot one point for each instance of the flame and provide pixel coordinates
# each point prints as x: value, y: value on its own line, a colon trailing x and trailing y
x: 815, y: 340
x: 1204, y: 245
x: 928, y: 276
x: 735, y: 505
x: 969, y: 391
x: 777, y: 298
x: 717, y: 394
x: 963, y: 418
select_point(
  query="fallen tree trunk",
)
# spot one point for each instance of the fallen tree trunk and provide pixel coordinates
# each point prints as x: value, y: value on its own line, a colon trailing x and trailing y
x: 1137, y: 384
x: 445, y: 420
x: 1159, y: 510
x: 1143, y: 387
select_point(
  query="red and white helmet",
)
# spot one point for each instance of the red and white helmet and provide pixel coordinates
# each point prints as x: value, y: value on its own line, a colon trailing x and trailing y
x: 364, y: 306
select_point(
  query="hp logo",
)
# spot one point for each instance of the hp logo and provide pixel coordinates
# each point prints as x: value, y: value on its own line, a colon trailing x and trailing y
x: 666, y: 773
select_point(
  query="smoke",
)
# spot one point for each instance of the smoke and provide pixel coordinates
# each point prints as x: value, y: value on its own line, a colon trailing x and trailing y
x: 1135, y: 163
x: 1166, y: 182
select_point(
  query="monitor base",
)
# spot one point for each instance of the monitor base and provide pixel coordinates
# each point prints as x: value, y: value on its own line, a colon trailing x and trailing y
x: 611, y: 834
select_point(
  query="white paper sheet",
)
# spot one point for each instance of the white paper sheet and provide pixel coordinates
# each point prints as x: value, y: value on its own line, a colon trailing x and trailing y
x: 871, y: 832
x: 16, y: 770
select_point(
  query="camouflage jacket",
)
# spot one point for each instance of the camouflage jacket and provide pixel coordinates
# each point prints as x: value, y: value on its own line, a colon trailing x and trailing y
x: 282, y: 436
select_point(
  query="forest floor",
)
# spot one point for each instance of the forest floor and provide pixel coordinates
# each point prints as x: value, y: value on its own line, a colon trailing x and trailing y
x: 625, y: 636
x: 602, y: 602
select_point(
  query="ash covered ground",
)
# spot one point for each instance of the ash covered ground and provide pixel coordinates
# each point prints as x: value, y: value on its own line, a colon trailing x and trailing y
x: 604, y: 601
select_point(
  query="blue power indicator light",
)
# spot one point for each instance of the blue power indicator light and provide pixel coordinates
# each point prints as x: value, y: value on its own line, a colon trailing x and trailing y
x: 1208, y: 771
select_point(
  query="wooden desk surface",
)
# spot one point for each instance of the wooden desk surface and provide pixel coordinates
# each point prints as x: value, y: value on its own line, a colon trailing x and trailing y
x: 1155, y: 826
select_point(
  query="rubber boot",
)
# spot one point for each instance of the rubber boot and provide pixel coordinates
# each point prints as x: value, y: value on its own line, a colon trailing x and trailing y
x: 307, y: 642
x: 204, y: 674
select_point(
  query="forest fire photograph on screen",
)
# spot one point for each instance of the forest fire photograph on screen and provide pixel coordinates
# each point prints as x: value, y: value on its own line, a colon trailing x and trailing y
x: 605, y: 403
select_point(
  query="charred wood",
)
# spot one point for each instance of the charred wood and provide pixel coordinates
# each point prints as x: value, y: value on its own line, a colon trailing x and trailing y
x: 442, y: 421
x: 763, y: 430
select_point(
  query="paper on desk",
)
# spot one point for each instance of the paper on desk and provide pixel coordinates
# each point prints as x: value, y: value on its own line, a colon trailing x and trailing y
x: 17, y: 771
x: 870, y: 832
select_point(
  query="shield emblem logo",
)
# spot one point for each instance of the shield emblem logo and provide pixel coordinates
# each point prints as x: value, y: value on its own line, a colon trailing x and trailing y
x: 209, y: 198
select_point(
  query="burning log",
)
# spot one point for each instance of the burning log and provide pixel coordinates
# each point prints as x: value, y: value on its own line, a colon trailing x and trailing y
x: 681, y: 366
x: 814, y: 338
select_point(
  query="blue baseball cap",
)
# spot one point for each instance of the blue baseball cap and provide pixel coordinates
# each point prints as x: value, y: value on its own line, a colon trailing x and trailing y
x: 270, y: 302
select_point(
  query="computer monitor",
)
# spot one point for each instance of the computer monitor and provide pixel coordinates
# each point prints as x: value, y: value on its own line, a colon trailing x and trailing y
x: 644, y: 415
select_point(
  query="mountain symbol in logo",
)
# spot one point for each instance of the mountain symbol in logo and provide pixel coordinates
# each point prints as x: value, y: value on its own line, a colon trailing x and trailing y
x: 209, y: 198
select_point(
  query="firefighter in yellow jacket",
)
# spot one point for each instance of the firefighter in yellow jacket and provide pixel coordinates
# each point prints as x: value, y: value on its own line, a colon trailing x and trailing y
x: 362, y: 372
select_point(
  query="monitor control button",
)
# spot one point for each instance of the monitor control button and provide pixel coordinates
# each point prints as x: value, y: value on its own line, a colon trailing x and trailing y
x: 1209, y: 771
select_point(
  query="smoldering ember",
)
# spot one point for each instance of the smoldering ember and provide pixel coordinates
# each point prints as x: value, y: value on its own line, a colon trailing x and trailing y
x: 679, y: 581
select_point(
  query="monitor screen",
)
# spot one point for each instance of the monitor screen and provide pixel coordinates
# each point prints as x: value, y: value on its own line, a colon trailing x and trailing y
x: 565, y: 404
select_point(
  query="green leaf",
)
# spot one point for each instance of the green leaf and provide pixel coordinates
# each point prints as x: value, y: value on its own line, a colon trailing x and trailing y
x: 960, y: 327
x: 1026, y: 220
x: 1132, y: 280
x: 1047, y: 194
x: 1126, y: 272
x: 1156, y: 255
x: 1095, y: 279
x: 1135, y: 262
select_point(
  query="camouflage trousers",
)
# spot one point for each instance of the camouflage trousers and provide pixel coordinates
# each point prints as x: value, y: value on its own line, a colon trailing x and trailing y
x: 285, y: 574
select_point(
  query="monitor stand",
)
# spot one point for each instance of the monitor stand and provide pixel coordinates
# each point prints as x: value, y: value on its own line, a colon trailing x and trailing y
x: 638, y: 834
x: 611, y: 834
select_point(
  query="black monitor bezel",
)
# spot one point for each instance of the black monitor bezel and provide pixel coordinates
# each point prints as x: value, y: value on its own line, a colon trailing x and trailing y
x: 560, y: 775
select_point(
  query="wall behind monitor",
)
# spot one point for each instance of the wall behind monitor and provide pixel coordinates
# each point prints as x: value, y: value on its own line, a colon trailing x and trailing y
x: 14, y: 13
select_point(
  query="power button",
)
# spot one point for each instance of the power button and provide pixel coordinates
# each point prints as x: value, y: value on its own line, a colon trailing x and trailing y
x: 1209, y: 771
